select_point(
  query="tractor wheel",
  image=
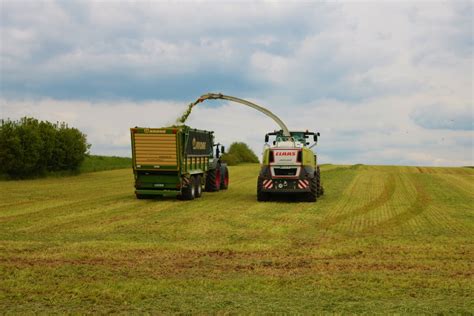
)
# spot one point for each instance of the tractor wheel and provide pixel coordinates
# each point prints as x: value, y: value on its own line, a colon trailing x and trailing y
x: 213, y: 180
x: 320, y: 187
x: 261, y: 196
x: 225, y: 179
x: 189, y: 192
x: 312, y: 195
x: 198, y: 186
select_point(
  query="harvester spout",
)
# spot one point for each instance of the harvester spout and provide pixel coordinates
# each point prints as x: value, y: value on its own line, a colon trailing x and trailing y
x: 215, y: 96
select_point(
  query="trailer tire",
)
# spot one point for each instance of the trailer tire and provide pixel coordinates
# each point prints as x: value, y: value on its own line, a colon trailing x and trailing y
x: 225, y: 178
x: 213, y: 180
x: 261, y: 196
x: 198, y: 186
x: 312, y: 195
x: 189, y: 192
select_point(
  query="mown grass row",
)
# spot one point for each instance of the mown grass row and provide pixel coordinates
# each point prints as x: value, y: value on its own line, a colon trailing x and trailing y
x: 382, y: 239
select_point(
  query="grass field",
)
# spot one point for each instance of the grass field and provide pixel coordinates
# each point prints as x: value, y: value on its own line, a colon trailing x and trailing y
x: 381, y: 240
x: 91, y: 163
x: 94, y: 163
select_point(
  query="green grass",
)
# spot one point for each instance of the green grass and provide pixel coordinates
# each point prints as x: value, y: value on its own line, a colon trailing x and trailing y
x: 382, y: 240
x: 91, y: 163
x: 94, y: 163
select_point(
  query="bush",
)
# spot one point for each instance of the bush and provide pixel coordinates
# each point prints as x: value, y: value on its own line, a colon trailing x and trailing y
x: 30, y: 148
x: 239, y: 153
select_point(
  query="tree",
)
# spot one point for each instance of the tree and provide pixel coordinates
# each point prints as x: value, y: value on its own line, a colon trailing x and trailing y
x: 239, y: 153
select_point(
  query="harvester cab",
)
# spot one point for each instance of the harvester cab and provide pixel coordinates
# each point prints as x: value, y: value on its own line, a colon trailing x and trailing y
x: 297, y: 139
x: 289, y: 166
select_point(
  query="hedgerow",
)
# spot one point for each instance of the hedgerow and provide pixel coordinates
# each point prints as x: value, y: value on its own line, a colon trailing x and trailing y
x: 30, y: 148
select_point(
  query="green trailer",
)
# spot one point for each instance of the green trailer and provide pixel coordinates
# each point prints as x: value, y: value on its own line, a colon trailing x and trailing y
x: 176, y: 161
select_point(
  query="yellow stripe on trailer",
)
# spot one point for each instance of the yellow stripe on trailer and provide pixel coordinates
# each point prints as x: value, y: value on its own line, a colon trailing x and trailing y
x: 155, y: 149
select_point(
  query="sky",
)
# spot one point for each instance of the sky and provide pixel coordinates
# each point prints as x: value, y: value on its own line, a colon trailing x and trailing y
x: 384, y: 82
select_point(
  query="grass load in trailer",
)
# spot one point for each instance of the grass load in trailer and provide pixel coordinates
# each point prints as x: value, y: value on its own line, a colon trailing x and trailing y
x: 176, y: 161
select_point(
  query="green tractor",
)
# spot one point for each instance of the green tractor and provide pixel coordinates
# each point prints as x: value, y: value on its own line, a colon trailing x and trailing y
x: 289, y: 166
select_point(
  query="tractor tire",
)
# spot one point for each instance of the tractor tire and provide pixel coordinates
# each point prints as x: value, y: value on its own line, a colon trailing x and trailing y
x: 320, y: 186
x: 261, y: 196
x: 189, y: 192
x: 312, y: 195
x: 198, y: 186
x: 225, y: 179
x: 213, y: 180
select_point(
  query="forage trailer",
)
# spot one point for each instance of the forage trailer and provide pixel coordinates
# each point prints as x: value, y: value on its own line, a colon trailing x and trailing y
x: 177, y: 161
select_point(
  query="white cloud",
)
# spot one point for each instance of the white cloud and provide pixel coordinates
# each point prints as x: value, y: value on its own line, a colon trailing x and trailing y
x: 356, y: 133
x: 360, y: 73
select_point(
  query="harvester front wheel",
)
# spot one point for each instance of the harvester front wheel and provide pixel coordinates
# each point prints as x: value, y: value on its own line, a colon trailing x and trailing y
x: 198, y: 188
x: 312, y: 195
x: 213, y: 180
x: 225, y: 179
x: 261, y: 196
x: 320, y: 186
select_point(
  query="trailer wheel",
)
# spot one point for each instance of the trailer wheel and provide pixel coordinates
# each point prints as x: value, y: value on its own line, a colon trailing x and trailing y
x: 189, y: 192
x: 198, y: 188
x: 312, y: 195
x: 213, y: 180
x: 225, y: 179
x: 261, y: 196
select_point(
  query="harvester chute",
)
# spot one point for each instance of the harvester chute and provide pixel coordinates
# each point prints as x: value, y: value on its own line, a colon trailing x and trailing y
x: 220, y: 96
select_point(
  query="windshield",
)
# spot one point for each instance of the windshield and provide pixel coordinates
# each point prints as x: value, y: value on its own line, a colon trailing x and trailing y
x: 297, y: 136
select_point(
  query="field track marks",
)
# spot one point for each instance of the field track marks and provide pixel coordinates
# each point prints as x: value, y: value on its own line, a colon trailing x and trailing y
x: 54, y: 209
x: 420, y: 204
x: 381, y: 199
x: 461, y: 182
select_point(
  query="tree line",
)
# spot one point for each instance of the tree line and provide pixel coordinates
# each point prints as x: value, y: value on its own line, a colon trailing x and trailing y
x: 30, y: 148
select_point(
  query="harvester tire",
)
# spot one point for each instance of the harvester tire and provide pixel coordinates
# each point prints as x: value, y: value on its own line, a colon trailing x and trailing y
x: 312, y: 195
x: 142, y: 196
x: 198, y: 186
x: 320, y: 186
x: 213, y: 180
x: 225, y: 178
x: 261, y: 196
x: 189, y: 192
